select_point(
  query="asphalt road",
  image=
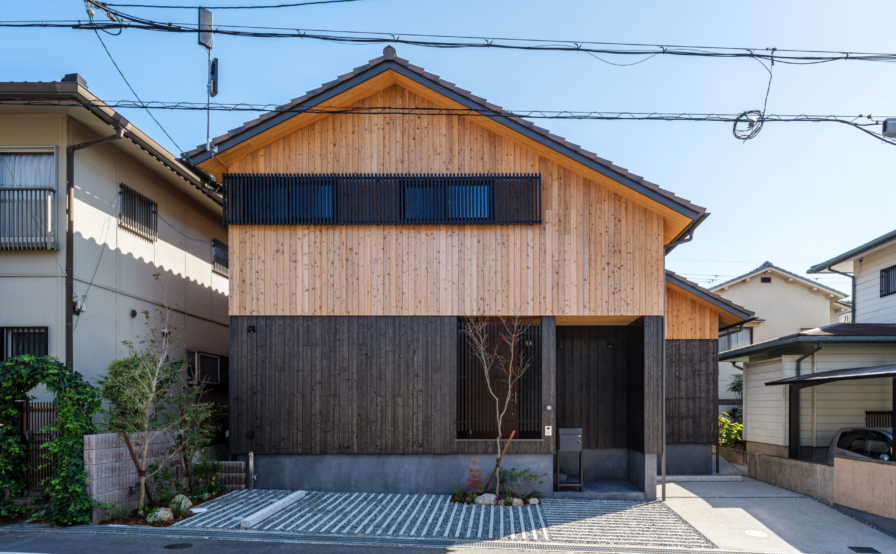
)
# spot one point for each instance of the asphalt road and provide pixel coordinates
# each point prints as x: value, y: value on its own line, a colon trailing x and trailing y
x: 50, y: 543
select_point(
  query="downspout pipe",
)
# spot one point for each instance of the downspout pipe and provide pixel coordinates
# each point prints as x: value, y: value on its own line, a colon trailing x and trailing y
x: 685, y: 236
x: 794, y: 395
x: 70, y: 239
x: 852, y: 277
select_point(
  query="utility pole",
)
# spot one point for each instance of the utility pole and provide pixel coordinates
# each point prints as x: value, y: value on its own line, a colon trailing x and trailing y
x: 206, y: 38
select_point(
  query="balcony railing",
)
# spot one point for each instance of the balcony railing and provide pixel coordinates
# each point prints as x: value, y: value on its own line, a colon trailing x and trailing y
x: 844, y: 317
x: 381, y: 199
x: 27, y: 219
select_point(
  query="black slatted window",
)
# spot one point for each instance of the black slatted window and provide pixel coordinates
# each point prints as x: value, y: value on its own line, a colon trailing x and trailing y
x: 381, y: 199
x: 15, y: 341
x: 137, y: 213
x: 888, y: 281
x: 220, y: 258
x: 476, y: 416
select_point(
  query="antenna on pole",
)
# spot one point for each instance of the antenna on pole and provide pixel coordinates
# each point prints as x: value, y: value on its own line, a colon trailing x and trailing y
x: 206, y: 39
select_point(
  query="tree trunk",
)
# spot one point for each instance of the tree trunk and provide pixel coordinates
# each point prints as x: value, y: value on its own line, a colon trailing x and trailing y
x: 188, y: 464
x: 140, y: 472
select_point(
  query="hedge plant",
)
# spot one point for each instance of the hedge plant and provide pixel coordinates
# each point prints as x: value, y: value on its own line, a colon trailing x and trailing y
x: 76, y: 402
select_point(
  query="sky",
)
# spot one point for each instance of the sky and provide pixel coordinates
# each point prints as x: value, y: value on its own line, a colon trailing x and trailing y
x: 796, y: 195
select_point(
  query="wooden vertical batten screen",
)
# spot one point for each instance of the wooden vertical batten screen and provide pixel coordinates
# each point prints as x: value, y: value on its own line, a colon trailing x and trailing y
x: 692, y: 376
x: 595, y: 253
x: 34, y: 417
x: 381, y: 199
x: 476, y: 407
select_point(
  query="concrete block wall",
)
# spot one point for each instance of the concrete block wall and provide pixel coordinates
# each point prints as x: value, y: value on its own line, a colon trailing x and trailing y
x: 111, y: 472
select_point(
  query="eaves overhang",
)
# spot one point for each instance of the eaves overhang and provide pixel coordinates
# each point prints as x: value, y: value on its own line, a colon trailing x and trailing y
x: 879, y: 242
x: 794, y: 342
x: 704, y: 294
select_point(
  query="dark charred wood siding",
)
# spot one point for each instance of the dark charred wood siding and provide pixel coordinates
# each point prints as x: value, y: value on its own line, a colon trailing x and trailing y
x: 691, y: 391
x: 591, y: 380
x: 354, y: 385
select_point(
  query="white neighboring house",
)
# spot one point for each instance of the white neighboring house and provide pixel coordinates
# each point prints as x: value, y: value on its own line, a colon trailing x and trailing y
x: 136, y: 211
x: 801, y: 388
x: 784, y: 302
x: 873, y: 269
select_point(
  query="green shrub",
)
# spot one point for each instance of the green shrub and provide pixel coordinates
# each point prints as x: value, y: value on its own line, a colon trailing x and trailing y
x: 730, y: 433
x: 522, y: 482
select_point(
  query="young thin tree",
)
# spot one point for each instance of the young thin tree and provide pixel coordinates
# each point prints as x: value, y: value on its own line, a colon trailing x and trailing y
x: 148, y: 394
x: 499, y: 352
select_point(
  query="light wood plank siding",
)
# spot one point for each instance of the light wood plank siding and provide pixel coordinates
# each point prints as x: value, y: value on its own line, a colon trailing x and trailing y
x: 689, y: 317
x: 596, y: 254
x: 355, y: 385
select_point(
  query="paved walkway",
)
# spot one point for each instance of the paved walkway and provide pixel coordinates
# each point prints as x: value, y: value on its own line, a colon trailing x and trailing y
x: 609, y: 522
x: 758, y: 517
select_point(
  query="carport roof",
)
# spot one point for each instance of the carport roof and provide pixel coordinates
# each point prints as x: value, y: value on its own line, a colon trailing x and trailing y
x: 814, y: 379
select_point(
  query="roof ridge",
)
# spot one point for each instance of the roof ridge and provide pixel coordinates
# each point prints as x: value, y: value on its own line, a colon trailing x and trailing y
x: 770, y: 265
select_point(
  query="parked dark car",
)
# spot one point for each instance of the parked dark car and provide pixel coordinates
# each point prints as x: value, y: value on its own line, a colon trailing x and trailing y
x: 863, y: 443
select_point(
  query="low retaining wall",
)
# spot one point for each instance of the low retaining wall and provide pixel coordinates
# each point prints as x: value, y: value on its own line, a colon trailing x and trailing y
x: 111, y: 472
x: 736, y: 457
x: 813, y: 480
x: 866, y: 489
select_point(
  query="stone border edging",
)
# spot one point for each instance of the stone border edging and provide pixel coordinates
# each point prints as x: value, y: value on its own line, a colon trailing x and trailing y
x: 254, y: 519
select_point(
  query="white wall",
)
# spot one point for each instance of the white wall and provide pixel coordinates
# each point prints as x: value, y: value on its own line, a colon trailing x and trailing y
x: 786, y: 307
x: 114, y: 267
x: 764, y: 407
x: 871, y: 307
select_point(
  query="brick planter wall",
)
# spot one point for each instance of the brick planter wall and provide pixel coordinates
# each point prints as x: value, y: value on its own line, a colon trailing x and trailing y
x: 111, y: 472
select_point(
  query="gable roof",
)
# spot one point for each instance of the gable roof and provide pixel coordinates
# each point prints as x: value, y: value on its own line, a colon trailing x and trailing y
x: 716, y: 300
x: 847, y: 257
x: 770, y: 266
x: 389, y: 61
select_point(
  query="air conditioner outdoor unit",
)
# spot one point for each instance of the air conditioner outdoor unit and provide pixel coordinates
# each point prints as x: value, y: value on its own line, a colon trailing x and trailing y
x: 890, y: 127
x: 204, y: 369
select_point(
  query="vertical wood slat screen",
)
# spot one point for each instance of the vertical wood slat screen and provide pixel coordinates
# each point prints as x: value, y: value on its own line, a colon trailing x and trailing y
x: 476, y: 409
x: 220, y: 258
x: 879, y: 419
x: 28, y: 219
x: 137, y: 213
x: 381, y: 199
x: 15, y: 341
x: 887, y: 281
x: 34, y: 417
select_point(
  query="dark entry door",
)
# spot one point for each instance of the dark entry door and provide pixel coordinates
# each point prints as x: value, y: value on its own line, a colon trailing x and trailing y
x: 591, y: 386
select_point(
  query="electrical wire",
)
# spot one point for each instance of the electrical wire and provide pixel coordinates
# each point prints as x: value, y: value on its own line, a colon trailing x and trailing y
x: 226, y: 7
x: 183, y: 153
x: 851, y: 120
x: 788, y: 56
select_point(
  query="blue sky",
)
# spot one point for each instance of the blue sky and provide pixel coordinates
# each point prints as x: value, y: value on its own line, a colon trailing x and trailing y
x: 795, y: 195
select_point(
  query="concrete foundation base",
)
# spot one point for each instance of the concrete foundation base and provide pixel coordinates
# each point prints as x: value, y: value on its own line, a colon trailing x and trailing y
x: 429, y: 474
x: 687, y: 459
x: 642, y: 472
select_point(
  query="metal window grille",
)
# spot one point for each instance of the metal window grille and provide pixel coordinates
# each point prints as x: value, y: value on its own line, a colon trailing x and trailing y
x: 220, y: 258
x: 27, y: 219
x: 878, y: 419
x: 381, y: 199
x: 476, y: 415
x: 15, y: 341
x: 137, y: 213
x: 888, y: 281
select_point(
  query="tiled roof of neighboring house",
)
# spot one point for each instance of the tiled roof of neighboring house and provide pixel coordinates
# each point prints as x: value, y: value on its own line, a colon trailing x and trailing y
x: 846, y: 256
x: 769, y: 265
x: 837, y: 332
x: 389, y: 60
x: 709, y: 296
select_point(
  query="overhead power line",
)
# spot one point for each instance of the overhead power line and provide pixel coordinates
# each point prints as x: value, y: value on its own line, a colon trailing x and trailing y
x: 791, y: 56
x: 293, y: 5
x: 861, y: 122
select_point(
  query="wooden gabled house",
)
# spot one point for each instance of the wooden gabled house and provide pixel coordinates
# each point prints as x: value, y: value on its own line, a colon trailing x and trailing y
x: 361, y: 240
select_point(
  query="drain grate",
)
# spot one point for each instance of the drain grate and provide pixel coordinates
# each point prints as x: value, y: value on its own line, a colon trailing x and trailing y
x: 177, y: 546
x: 863, y: 549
